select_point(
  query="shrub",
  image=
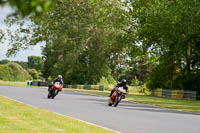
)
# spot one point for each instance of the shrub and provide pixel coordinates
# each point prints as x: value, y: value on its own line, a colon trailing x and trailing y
x: 135, y: 82
x: 13, y: 72
x: 34, y: 73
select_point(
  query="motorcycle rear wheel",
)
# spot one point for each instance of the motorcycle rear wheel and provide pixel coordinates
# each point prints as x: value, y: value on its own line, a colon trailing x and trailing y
x: 116, y: 103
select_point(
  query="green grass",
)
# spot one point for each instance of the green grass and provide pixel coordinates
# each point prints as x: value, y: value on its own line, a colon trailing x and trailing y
x: 137, y: 96
x: 12, y: 83
x: 20, y: 118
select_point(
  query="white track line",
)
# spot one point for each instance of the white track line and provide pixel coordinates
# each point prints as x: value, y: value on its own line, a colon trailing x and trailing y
x: 63, y: 115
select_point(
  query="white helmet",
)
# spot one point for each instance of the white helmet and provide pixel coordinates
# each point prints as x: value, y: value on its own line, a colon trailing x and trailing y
x: 124, y: 81
x: 59, y: 76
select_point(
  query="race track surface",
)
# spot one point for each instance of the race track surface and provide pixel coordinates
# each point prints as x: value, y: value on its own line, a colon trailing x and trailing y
x: 128, y: 117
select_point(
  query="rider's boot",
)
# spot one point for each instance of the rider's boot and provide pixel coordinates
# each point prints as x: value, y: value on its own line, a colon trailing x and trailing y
x: 49, y: 88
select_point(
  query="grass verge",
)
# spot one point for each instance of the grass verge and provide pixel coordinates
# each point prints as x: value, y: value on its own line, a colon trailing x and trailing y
x: 136, y: 96
x: 12, y: 83
x: 20, y: 118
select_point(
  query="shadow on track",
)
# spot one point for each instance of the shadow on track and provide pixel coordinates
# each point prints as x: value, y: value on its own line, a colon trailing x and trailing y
x: 137, y: 106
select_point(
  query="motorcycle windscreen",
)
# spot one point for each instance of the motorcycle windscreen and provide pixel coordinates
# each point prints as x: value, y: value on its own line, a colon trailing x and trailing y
x: 121, y: 90
x: 58, y: 86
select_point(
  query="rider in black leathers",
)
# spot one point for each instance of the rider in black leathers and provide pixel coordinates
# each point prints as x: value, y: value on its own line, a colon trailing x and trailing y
x: 120, y: 84
x: 58, y: 79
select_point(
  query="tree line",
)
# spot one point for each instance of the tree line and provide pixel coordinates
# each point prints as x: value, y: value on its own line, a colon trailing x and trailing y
x: 21, y: 70
x: 155, y: 42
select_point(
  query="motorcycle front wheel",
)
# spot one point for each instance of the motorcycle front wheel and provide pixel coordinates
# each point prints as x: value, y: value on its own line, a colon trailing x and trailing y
x: 116, y: 101
x: 49, y: 95
x: 109, y: 102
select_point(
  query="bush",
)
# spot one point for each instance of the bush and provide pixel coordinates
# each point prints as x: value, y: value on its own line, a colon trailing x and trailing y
x: 13, y: 72
x: 135, y: 82
x: 5, y: 72
x: 168, y: 75
x: 34, y: 73
x: 107, y: 80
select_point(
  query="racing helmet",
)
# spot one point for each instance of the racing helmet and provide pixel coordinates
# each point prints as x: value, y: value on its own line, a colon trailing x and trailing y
x: 124, y: 81
x: 59, y: 76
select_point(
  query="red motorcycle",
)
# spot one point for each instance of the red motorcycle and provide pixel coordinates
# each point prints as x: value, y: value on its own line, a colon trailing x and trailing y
x: 116, y: 97
x: 57, y: 87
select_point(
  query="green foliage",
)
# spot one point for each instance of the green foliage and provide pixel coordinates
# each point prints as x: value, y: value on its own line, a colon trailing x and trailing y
x: 107, y: 81
x: 33, y: 73
x: 5, y: 61
x: 156, y: 41
x: 13, y: 72
x: 82, y: 45
x: 26, y: 7
x: 135, y: 82
x: 4, y: 72
x: 169, y: 30
x: 82, y: 51
x: 35, y: 62
x: 22, y: 64
x: 1, y: 35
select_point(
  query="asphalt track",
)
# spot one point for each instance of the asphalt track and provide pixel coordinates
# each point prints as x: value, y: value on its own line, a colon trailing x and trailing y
x: 128, y: 117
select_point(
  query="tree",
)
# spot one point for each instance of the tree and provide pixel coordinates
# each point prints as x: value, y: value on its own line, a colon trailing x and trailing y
x: 35, y: 62
x: 84, y: 39
x: 5, y: 61
x: 81, y: 52
x: 26, y: 7
x: 1, y: 35
x: 170, y: 32
x: 22, y: 64
x: 33, y: 73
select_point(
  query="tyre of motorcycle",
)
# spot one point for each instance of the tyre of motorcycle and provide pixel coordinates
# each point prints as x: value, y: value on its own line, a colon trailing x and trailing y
x: 49, y: 94
x: 116, y: 101
x: 109, y: 102
x: 53, y: 94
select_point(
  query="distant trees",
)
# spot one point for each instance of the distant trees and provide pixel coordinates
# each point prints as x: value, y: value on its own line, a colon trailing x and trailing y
x: 145, y: 41
x: 20, y: 70
x: 34, y: 73
x: 35, y: 62
x: 5, y: 61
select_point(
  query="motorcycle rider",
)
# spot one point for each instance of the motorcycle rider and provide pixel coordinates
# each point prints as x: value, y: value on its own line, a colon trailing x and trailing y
x: 58, y: 79
x: 120, y: 84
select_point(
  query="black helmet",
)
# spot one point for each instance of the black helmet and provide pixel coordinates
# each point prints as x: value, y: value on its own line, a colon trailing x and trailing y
x: 124, y: 81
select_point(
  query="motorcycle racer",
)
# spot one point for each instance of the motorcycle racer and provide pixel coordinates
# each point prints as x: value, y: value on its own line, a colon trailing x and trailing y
x: 120, y: 84
x: 58, y: 79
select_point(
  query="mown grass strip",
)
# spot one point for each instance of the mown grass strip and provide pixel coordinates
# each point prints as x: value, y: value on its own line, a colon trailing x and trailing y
x: 136, y: 96
x: 20, y: 118
x: 12, y: 83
